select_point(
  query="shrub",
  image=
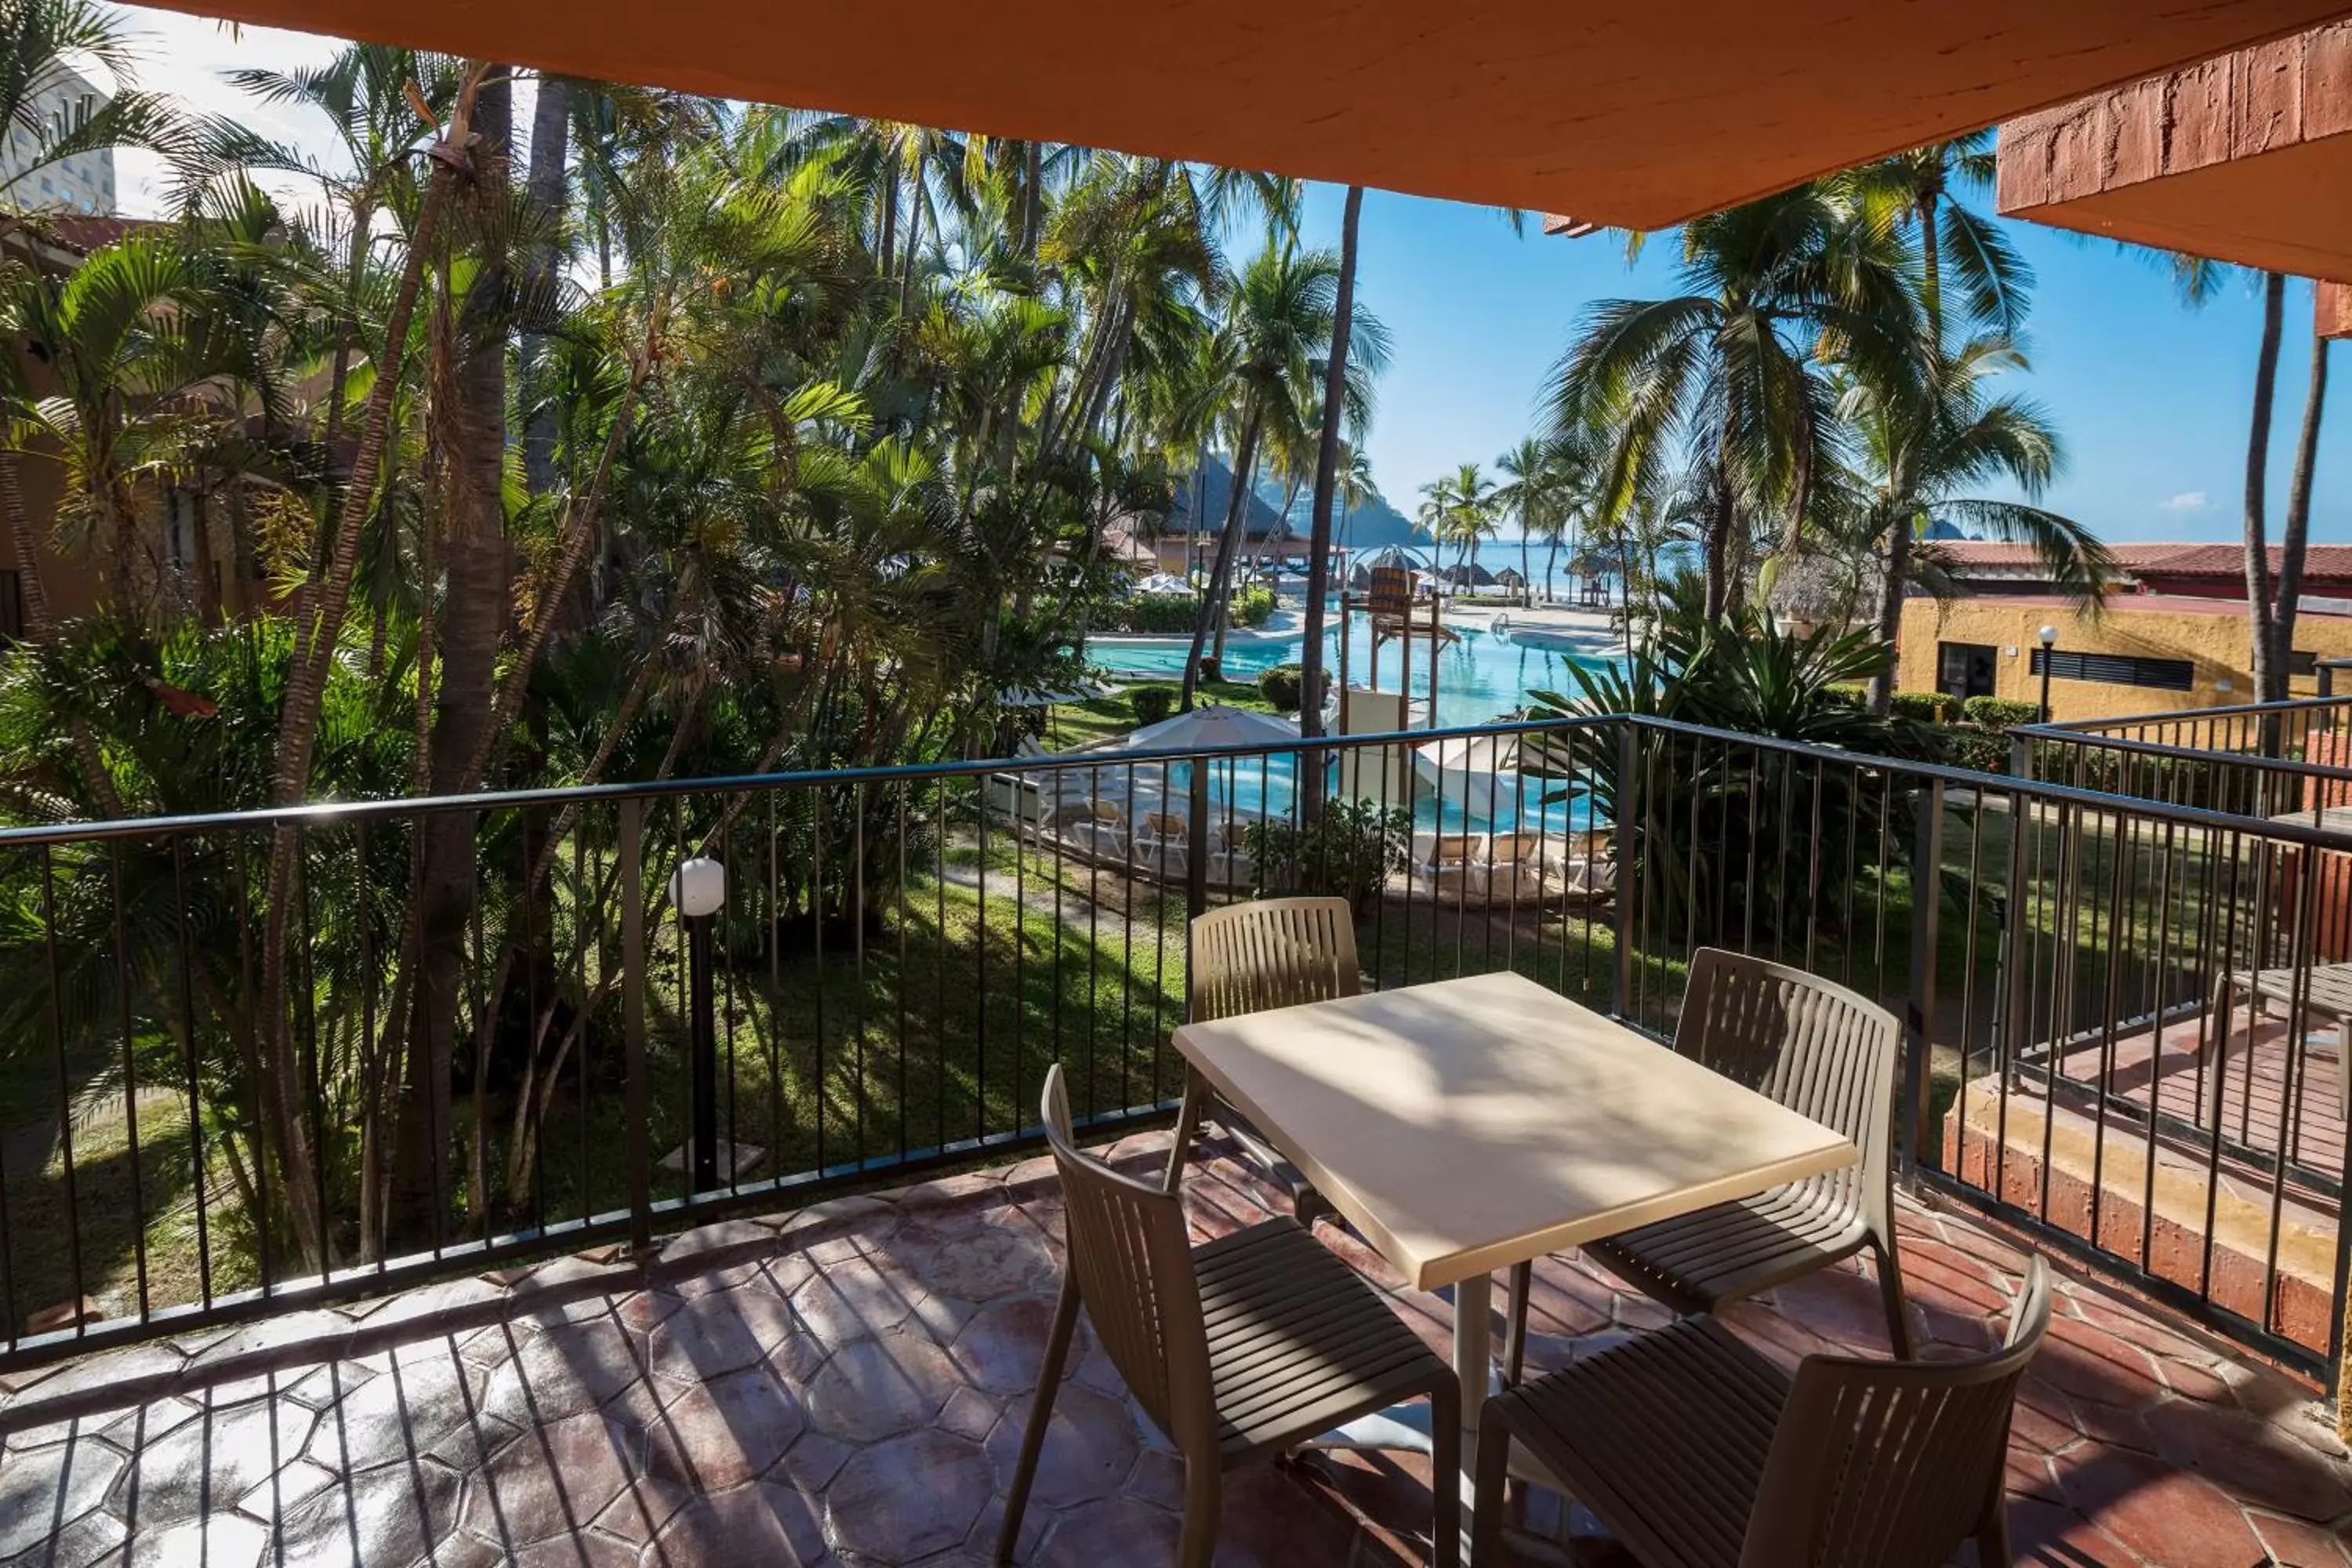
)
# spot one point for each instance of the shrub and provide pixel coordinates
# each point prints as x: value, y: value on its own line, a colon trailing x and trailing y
x: 1280, y: 687
x: 1251, y: 607
x: 1152, y: 703
x: 1998, y: 713
x: 1159, y: 613
x: 1349, y: 854
x: 1979, y: 750
x: 1925, y: 707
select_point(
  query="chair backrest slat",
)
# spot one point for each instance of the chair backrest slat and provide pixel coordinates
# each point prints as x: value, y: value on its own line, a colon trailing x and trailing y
x: 1892, y: 1463
x: 1273, y: 952
x: 1818, y: 1049
x: 1132, y: 1257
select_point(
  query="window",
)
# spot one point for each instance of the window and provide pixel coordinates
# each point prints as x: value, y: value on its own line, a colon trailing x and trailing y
x: 2302, y: 664
x: 12, y: 607
x: 1964, y: 669
x: 2119, y: 670
x: 180, y: 530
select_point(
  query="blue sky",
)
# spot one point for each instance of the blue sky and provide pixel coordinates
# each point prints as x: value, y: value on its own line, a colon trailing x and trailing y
x: 2150, y: 398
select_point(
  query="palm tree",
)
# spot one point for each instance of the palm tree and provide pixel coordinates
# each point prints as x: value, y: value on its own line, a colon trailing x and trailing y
x: 1924, y: 189
x: 1327, y: 472
x: 1924, y: 442
x: 1733, y: 367
x: 1280, y: 316
x: 1462, y: 505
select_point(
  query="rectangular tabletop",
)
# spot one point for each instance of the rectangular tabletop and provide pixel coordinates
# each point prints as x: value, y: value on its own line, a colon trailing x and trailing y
x: 1467, y: 1125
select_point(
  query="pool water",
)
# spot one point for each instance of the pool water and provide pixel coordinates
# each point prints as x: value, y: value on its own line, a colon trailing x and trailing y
x: 1481, y: 678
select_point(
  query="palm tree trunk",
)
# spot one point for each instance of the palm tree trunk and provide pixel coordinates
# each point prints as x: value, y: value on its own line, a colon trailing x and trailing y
x: 1327, y: 483
x: 470, y: 418
x: 1032, y: 174
x: 1552, y: 566
x: 2297, y: 538
x: 551, y: 151
x: 1213, y: 601
x: 2261, y: 611
x: 1892, y: 589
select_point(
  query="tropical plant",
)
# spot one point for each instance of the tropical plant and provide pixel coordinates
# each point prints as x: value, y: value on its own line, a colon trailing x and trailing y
x: 1927, y: 432
x: 1730, y: 834
x: 1731, y: 374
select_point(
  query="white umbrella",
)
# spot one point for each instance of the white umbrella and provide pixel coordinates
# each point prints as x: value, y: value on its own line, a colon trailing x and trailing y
x: 1214, y: 725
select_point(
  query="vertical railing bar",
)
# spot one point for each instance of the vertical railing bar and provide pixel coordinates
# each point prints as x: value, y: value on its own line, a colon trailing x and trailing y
x: 65, y: 1087
x: 857, y: 803
x: 129, y: 1080
x: 1629, y: 873
x: 899, y: 988
x: 195, y: 1096
x: 632, y: 1022
x: 722, y: 959
x: 1926, y: 911
x: 820, y: 1077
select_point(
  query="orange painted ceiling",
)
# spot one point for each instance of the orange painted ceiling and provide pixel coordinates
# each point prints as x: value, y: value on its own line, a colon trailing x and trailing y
x: 2246, y: 157
x: 1634, y: 112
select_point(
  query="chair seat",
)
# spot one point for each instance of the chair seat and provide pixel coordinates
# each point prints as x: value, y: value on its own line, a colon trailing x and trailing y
x: 1696, y: 1262
x: 1298, y: 1342
x: 1663, y: 1438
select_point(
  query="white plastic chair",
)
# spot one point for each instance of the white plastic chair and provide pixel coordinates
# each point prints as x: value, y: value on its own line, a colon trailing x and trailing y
x: 1160, y: 846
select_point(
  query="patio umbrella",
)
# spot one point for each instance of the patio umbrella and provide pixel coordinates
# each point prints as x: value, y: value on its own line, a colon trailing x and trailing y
x: 1214, y: 725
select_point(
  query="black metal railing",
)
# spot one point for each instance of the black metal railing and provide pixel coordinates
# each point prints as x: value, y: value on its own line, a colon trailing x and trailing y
x: 272, y: 1058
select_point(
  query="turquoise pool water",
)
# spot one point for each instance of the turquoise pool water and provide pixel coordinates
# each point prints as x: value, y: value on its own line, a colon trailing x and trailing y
x: 1481, y: 678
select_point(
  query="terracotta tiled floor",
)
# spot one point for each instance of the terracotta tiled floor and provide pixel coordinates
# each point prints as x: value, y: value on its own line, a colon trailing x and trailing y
x: 856, y: 1397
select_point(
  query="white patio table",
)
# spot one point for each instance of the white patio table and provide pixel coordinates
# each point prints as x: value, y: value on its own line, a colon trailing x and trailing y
x: 1467, y: 1125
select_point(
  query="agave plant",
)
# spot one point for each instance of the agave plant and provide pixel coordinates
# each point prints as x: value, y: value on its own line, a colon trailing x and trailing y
x: 1725, y: 839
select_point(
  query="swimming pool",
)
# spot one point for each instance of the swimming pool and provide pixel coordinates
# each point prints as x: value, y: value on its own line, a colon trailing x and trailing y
x: 1481, y: 678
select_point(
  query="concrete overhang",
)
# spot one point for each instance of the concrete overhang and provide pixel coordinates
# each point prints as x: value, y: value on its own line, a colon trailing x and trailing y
x: 1626, y: 112
x: 2245, y: 157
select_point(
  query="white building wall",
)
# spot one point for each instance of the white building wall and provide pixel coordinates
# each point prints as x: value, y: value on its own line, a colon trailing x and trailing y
x: 82, y: 184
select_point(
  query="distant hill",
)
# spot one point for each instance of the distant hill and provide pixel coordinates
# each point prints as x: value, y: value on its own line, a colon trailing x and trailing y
x: 1369, y: 525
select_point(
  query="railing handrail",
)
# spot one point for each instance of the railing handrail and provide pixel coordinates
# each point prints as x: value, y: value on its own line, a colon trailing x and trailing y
x: 338, y: 813
x: 2072, y: 728
x: 2037, y: 789
x: 2161, y: 748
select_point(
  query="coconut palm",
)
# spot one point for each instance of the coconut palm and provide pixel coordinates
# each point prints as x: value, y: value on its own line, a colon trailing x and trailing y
x: 1733, y: 370
x: 1923, y: 443
x: 1925, y: 190
x: 1279, y: 318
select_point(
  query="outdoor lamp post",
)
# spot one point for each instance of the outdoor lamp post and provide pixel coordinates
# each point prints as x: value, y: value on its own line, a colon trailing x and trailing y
x: 2049, y: 636
x: 699, y: 889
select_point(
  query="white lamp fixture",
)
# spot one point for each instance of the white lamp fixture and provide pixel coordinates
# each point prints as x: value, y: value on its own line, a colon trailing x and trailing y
x: 2049, y: 635
x: 699, y: 887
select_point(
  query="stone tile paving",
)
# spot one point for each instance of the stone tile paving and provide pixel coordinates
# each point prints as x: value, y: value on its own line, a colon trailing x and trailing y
x: 853, y: 1394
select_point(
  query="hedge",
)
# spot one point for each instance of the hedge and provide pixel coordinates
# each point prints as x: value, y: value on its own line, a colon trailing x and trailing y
x: 1252, y: 606
x: 1925, y: 707
x: 1159, y: 613
x: 1998, y: 713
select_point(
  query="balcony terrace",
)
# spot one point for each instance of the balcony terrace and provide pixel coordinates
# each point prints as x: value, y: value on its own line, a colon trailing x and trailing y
x: 569, y: 1346
x: 847, y: 1385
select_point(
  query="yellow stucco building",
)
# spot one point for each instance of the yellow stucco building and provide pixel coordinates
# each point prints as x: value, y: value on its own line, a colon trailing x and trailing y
x: 2142, y: 653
